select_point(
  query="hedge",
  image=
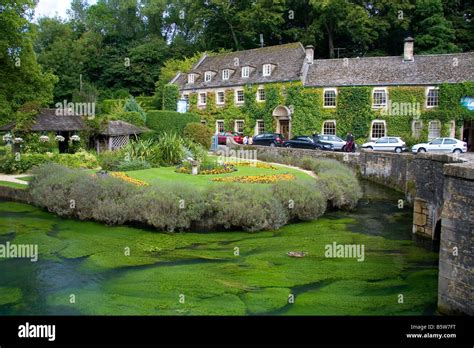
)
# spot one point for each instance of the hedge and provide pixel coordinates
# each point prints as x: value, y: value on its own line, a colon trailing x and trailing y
x: 164, y: 121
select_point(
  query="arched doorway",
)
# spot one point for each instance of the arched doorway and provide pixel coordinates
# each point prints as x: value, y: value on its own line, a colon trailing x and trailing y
x: 282, y: 115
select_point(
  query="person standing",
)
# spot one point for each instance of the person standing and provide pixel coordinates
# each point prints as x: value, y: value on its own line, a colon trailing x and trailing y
x: 246, y: 140
x: 349, y: 142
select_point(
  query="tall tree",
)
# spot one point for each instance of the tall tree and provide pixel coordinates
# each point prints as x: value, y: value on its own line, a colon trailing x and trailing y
x: 21, y: 77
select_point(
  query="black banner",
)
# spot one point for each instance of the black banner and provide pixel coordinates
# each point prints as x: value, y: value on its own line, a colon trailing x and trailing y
x: 134, y: 331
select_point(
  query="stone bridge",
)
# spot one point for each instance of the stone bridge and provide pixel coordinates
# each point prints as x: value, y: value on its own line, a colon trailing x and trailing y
x: 440, y: 188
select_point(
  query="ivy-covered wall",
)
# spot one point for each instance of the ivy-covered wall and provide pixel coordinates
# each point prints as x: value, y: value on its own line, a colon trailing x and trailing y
x: 353, y: 112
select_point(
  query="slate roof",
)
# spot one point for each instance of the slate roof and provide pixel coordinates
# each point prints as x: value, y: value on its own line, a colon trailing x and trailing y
x: 288, y: 60
x: 47, y: 120
x: 115, y: 128
x: 385, y: 71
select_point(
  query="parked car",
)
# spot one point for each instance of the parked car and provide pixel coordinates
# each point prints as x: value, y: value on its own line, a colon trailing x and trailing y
x: 268, y: 139
x: 337, y: 143
x: 300, y: 142
x: 441, y: 145
x: 395, y: 144
x: 222, y: 137
x: 321, y: 144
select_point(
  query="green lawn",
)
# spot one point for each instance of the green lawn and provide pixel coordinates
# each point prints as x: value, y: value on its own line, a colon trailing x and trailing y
x: 168, y: 174
x: 12, y: 184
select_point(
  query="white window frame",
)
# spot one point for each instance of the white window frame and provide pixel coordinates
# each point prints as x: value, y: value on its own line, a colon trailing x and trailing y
x: 200, y: 99
x: 372, y: 129
x: 208, y: 76
x: 413, y: 129
x: 257, y: 130
x: 217, y: 126
x: 329, y: 121
x: 204, y: 122
x: 185, y: 96
x: 225, y: 74
x: 267, y: 70
x: 379, y: 106
x: 430, y: 129
x: 245, y: 72
x: 217, y: 98
x: 427, y: 91
x: 191, y: 79
x: 258, y: 94
x: 237, y: 102
x: 324, y: 98
x: 236, y: 127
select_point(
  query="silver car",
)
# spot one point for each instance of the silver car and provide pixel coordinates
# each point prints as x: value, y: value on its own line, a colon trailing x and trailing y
x: 338, y: 143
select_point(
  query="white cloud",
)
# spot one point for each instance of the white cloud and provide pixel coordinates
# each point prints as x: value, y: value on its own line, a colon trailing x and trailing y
x: 51, y: 8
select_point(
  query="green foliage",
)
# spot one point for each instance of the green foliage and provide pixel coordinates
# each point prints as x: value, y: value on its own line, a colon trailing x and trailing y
x: 170, y: 121
x: 111, y: 160
x: 170, y: 149
x: 132, y: 117
x: 198, y: 133
x: 170, y: 97
x: 131, y: 105
x: 137, y: 164
x: 140, y: 150
x: 12, y: 164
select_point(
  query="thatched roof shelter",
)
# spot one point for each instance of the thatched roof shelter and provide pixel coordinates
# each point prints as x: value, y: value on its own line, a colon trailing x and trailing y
x: 117, y: 128
x: 47, y: 121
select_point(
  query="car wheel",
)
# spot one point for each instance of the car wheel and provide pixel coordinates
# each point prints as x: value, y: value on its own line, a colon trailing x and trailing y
x: 457, y: 151
x: 272, y: 145
x: 398, y: 149
x: 343, y: 149
x: 421, y: 149
x: 370, y: 148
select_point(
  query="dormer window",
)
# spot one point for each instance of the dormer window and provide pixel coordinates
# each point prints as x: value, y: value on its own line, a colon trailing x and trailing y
x: 267, y: 69
x: 225, y: 74
x: 208, y: 76
x: 190, y: 78
x: 245, y: 71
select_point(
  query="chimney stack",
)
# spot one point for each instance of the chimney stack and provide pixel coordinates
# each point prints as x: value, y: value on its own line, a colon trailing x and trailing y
x: 408, y: 49
x: 309, y: 54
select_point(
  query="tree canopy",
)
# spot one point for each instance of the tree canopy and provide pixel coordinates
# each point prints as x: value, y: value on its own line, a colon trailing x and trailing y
x: 121, y: 47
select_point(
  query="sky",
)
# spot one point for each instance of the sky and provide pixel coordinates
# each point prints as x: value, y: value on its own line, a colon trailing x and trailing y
x: 51, y: 8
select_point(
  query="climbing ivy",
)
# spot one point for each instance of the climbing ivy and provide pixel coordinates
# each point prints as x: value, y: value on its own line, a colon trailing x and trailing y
x: 353, y: 113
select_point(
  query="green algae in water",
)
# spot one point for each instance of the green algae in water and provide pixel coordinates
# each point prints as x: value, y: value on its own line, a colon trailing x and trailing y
x: 89, y: 260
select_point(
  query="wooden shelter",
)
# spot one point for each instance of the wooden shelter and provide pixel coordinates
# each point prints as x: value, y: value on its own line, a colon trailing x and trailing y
x: 115, y: 135
x: 48, y: 121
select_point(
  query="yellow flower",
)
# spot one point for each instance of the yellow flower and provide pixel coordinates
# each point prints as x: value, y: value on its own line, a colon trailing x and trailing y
x: 125, y: 177
x: 256, y: 179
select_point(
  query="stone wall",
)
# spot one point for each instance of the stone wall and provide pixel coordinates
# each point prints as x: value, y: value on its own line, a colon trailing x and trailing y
x: 456, y: 262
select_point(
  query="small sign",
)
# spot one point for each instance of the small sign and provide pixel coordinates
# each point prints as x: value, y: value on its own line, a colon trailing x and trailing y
x: 182, y: 106
x: 468, y: 103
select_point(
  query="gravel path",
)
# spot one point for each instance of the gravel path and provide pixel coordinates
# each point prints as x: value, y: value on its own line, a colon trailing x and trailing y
x: 14, y: 178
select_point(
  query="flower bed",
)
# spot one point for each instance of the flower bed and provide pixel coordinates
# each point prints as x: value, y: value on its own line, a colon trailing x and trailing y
x: 186, y: 168
x: 257, y: 179
x: 125, y: 177
x: 261, y: 165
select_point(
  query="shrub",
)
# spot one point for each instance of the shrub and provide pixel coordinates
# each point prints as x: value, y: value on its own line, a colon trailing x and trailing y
x: 141, y: 150
x: 169, y: 121
x: 110, y: 160
x: 137, y: 164
x: 132, y: 117
x: 299, y: 204
x: 170, y: 96
x: 132, y: 105
x: 11, y: 164
x: 198, y: 133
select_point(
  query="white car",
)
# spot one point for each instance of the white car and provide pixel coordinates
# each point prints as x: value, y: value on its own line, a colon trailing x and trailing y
x: 395, y: 144
x: 447, y: 145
